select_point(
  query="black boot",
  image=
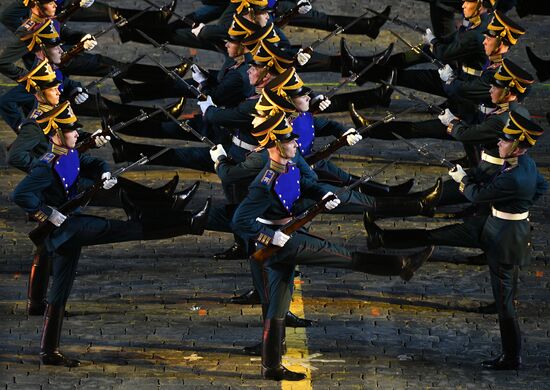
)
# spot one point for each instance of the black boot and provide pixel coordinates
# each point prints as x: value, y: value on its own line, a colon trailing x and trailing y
x: 128, y: 151
x: 272, y: 353
x: 166, y: 223
x: 541, y: 66
x: 400, y: 238
x: 147, y: 19
x: 350, y: 63
x: 51, y: 333
x: 38, y: 284
x: 235, y: 252
x: 510, y: 359
x: 251, y: 297
x: 357, y: 119
x: 181, y: 199
x: 368, y: 26
x: 419, y: 203
x: 373, y: 188
x: 139, y: 191
x: 388, y: 265
x: 293, y: 321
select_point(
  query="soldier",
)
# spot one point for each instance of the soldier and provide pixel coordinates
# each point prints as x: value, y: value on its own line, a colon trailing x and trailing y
x: 504, y: 235
x: 52, y: 181
x: 269, y: 205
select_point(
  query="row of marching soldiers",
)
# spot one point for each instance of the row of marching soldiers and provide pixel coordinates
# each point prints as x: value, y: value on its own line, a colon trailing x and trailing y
x: 259, y: 122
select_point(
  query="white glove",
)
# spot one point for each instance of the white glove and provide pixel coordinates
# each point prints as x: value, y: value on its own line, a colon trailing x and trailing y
x: 197, y: 30
x: 331, y: 204
x: 352, y: 136
x: 428, y: 37
x: 457, y: 173
x: 100, y: 140
x: 447, y: 117
x: 216, y: 152
x: 205, y: 104
x: 302, y: 57
x: 304, y: 6
x: 108, y: 182
x: 446, y: 73
x: 198, y: 76
x: 86, y: 3
x: 324, y: 102
x: 279, y: 238
x: 89, y: 42
x: 57, y: 218
x: 80, y: 96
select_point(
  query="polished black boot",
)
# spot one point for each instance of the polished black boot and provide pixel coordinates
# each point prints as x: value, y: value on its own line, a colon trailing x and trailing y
x: 373, y: 188
x: 541, y: 66
x: 293, y: 321
x: 388, y: 265
x: 138, y: 191
x: 251, y: 297
x: 147, y: 19
x: 272, y: 352
x: 510, y: 359
x: 38, y: 284
x: 394, y: 238
x: 128, y: 151
x: 51, y: 333
x: 235, y: 252
x: 351, y: 64
x: 368, y: 26
x: 357, y: 119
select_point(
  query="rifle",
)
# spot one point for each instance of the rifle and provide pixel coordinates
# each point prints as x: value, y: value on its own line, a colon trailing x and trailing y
x: 113, y: 73
x: 418, y: 50
x: 164, y: 46
x: 81, y: 200
x: 283, y: 19
x: 314, y: 107
x: 174, y: 76
x: 64, y: 15
x: 434, y: 107
x: 185, y: 126
x: 79, y: 47
x: 327, y: 150
x: 398, y: 21
x: 306, y: 216
x: 309, y: 49
x: 426, y: 153
x: 190, y: 22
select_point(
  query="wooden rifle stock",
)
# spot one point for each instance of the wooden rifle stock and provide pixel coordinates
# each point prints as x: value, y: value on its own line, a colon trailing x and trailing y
x: 291, y: 227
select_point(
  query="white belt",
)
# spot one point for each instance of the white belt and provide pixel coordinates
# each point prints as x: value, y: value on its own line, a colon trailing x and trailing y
x: 244, y: 145
x: 491, y: 159
x: 471, y: 71
x: 510, y: 216
x: 281, y: 222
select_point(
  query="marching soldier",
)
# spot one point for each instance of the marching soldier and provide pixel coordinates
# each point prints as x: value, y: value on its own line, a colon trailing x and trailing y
x: 268, y: 206
x: 504, y: 235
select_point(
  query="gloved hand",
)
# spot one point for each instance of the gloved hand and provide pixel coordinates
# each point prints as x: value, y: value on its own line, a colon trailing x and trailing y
x: 86, y: 3
x: 303, y: 57
x: 216, y: 152
x: 197, y: 74
x: 80, y: 95
x: 108, y: 182
x: 447, y: 117
x: 304, y: 6
x: 280, y: 239
x: 89, y: 42
x: 197, y: 30
x: 446, y: 73
x: 324, y: 102
x: 457, y: 173
x: 428, y: 37
x: 352, y: 136
x: 100, y: 140
x: 205, y: 104
x: 331, y: 204
x: 57, y: 218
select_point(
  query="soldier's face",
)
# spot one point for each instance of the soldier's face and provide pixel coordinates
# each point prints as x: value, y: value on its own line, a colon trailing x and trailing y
x: 233, y: 49
x: 48, y: 9
x: 70, y: 138
x: 469, y: 8
x: 497, y: 94
x: 505, y: 148
x: 54, y: 54
x: 51, y: 95
x: 262, y: 18
x: 289, y: 149
x: 301, y: 103
x: 490, y: 44
x: 254, y: 74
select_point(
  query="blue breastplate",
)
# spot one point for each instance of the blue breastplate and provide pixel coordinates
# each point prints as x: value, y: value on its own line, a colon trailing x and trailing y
x: 303, y: 126
x: 59, y: 76
x: 67, y: 168
x: 287, y: 186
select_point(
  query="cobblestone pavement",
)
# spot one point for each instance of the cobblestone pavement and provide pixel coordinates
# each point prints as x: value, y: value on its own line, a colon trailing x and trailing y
x: 152, y: 315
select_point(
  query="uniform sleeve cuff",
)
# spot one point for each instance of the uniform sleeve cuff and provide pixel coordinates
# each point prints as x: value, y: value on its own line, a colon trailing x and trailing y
x: 265, y: 237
